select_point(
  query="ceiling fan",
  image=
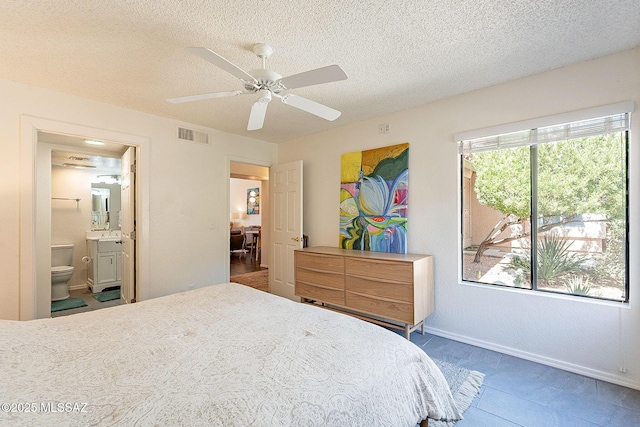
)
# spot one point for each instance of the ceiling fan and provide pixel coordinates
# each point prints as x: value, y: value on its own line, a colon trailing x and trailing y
x: 268, y: 84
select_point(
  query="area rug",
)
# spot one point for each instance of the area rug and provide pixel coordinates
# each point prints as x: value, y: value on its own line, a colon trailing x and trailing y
x: 464, y: 385
x: 105, y: 296
x: 67, y: 304
x: 257, y: 280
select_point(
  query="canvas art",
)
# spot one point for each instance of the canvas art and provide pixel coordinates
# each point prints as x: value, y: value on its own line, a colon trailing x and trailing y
x: 253, y: 201
x: 373, y: 199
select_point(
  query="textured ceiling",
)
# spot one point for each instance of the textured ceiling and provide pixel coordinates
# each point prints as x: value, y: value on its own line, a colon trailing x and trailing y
x: 397, y: 54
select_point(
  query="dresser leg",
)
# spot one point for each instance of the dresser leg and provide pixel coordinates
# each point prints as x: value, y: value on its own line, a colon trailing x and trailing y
x: 407, y: 331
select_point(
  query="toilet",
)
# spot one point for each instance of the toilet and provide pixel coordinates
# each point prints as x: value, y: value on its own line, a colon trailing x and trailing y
x: 61, y: 271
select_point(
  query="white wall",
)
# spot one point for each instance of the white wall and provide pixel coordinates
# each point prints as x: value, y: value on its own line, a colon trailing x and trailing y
x: 188, y: 190
x: 238, y: 200
x: 592, y: 338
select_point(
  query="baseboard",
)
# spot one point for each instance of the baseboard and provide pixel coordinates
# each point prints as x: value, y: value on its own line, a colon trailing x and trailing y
x: 81, y: 286
x: 570, y: 367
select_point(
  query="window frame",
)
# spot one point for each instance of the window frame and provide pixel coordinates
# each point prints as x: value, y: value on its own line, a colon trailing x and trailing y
x: 532, y: 126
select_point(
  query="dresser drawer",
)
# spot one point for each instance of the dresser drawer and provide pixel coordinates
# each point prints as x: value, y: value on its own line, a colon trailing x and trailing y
x: 388, y: 270
x: 331, y: 296
x: 323, y: 278
x: 394, y: 310
x: 320, y: 262
x: 380, y: 288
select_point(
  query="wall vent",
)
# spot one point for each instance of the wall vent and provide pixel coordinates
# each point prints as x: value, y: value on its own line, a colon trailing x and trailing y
x: 192, y: 135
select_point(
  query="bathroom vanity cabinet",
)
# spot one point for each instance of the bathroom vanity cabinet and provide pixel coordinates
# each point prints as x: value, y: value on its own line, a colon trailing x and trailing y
x: 105, y: 269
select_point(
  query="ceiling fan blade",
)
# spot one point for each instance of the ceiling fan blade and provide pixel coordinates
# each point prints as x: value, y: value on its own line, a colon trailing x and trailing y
x: 331, y: 73
x: 312, y: 107
x: 204, y: 96
x: 258, y: 112
x: 215, y: 59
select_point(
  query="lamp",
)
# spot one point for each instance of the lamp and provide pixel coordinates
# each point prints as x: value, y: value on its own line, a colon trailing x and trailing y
x: 235, y: 216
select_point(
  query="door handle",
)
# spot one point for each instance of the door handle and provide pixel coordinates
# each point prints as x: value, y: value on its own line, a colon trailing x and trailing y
x: 296, y: 239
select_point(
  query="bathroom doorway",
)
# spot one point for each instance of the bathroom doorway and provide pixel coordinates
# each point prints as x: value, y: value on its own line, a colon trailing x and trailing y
x: 36, y: 206
x: 90, y: 200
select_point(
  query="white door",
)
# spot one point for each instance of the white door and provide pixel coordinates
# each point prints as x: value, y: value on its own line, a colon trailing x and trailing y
x: 285, y: 183
x: 128, y: 218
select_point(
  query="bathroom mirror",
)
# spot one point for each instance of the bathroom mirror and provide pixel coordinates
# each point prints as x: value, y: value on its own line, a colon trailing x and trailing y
x: 100, y: 208
x: 105, y: 206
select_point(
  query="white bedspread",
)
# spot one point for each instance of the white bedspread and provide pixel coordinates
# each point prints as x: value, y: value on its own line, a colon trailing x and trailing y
x: 225, y: 355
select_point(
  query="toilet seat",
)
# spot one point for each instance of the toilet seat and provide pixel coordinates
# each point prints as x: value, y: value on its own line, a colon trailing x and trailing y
x: 61, y: 269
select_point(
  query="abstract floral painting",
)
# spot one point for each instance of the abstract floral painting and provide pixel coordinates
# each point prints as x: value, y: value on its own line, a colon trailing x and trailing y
x: 373, y: 199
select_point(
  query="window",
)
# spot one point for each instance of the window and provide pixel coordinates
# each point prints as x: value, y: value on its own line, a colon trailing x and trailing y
x: 564, y: 184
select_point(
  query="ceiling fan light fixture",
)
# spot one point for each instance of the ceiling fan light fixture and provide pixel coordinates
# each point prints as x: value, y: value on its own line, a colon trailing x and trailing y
x: 265, y: 95
x: 268, y: 84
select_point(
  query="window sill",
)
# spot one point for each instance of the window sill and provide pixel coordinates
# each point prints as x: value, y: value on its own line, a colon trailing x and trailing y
x: 546, y: 294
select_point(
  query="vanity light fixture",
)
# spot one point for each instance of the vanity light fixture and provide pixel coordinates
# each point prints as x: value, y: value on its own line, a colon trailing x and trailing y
x: 106, y: 179
x: 92, y: 142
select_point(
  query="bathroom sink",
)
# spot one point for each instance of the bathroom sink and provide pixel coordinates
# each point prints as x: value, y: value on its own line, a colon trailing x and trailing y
x: 109, y: 245
x: 104, y: 238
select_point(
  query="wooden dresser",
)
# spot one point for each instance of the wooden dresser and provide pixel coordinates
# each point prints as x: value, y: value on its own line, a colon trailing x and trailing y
x: 379, y: 287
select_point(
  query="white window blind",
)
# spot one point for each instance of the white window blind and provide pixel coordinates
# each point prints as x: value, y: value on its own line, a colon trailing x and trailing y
x: 597, y: 125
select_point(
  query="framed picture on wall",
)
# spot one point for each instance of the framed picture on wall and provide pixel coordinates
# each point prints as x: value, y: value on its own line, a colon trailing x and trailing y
x: 253, y: 201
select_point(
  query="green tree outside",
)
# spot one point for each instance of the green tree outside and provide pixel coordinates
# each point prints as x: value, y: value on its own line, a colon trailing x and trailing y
x: 575, y: 177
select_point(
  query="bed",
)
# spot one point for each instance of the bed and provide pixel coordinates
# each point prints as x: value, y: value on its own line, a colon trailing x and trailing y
x: 224, y: 355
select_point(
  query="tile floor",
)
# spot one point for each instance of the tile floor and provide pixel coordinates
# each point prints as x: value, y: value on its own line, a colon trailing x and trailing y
x: 517, y: 392
x: 87, y: 296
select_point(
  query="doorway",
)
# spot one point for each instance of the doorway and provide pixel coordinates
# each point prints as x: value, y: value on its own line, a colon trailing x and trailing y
x: 35, y: 222
x: 86, y: 215
x: 248, y: 218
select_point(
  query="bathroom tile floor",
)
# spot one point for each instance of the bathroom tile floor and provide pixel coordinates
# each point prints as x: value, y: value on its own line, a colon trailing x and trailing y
x: 92, y: 303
